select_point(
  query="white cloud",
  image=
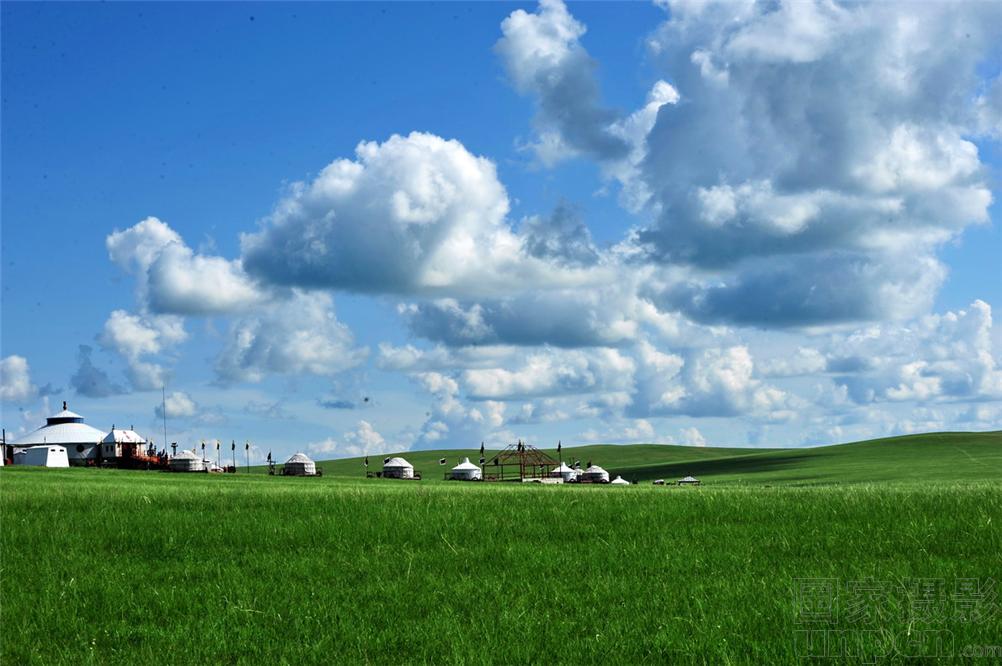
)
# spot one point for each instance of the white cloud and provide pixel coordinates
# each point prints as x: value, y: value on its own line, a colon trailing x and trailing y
x: 179, y: 405
x: 136, y: 337
x: 363, y: 440
x: 298, y: 336
x: 552, y: 372
x: 15, y: 379
x: 171, y: 278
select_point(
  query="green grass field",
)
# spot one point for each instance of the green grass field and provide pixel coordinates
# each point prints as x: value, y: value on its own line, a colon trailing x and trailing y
x: 106, y: 566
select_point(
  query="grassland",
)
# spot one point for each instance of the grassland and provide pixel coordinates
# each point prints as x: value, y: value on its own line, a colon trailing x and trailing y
x: 104, y: 566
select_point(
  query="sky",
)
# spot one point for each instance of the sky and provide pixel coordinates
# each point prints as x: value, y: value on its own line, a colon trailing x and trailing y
x: 361, y: 228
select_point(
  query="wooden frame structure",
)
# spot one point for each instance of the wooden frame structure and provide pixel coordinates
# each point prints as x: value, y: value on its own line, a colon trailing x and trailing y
x: 518, y: 462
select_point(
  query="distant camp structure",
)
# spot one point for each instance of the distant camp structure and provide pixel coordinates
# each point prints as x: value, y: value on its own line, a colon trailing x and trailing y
x: 42, y: 456
x: 300, y: 465
x: 465, y: 471
x: 519, y: 462
x: 594, y: 474
x: 619, y: 481
x: 187, y: 461
x: 398, y: 468
x: 565, y: 473
x: 66, y: 429
x: 688, y: 481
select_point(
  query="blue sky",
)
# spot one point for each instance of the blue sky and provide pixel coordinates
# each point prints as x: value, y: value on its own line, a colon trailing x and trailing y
x: 344, y: 228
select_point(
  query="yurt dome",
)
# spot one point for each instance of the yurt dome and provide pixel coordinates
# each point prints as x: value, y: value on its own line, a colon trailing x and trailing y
x: 300, y: 465
x: 66, y: 429
x: 187, y: 461
x: 398, y: 468
x: 595, y: 474
x: 466, y: 471
x: 563, y: 472
x: 620, y: 481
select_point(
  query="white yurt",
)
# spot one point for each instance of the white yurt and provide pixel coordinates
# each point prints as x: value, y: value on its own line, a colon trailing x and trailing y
x: 564, y: 472
x: 688, y: 481
x: 115, y: 442
x: 620, y: 481
x: 299, y: 465
x: 465, y: 471
x: 42, y: 456
x: 595, y: 474
x: 398, y: 468
x: 68, y: 430
x: 187, y: 461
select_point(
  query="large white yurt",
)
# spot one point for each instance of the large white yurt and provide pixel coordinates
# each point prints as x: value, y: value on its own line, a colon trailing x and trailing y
x: 66, y: 429
x: 564, y: 472
x: 398, y: 468
x: 42, y: 456
x: 299, y: 465
x: 465, y: 471
x: 619, y: 481
x: 115, y: 442
x: 595, y: 474
x: 187, y: 461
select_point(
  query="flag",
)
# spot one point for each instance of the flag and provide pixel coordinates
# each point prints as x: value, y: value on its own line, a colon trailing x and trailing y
x: 217, y: 445
x: 558, y: 448
x: 481, y: 449
x: 589, y: 464
x: 203, y: 447
x: 441, y: 461
x: 247, y: 446
x: 269, y: 456
x: 233, y: 446
x: 366, y: 461
x: 482, y: 460
x: 386, y: 460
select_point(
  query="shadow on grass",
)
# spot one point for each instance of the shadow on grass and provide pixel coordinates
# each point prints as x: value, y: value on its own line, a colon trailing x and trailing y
x: 737, y: 465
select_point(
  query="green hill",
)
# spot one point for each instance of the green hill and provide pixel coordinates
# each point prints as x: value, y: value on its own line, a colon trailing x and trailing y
x: 933, y: 457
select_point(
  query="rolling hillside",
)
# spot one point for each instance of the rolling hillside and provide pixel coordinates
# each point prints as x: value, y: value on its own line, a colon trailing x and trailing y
x: 939, y: 457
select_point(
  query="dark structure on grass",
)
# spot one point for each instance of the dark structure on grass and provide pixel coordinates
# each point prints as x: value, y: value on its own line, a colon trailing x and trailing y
x: 519, y: 462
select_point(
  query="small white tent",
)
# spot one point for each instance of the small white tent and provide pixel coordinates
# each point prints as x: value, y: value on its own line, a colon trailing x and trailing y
x: 595, y: 474
x: 465, y: 471
x: 187, y: 461
x: 688, y: 481
x: 620, y: 481
x: 398, y: 468
x: 300, y: 465
x: 42, y: 456
x: 564, y: 472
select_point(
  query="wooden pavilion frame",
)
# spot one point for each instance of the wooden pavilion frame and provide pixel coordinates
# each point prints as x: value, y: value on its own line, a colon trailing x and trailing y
x: 518, y: 462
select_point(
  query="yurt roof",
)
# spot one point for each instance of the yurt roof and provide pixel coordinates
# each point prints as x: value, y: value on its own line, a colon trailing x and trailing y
x: 65, y: 414
x: 187, y: 455
x: 60, y: 433
x: 298, y: 458
x: 595, y: 469
x: 620, y: 481
x: 117, y: 436
x: 689, y: 478
x: 466, y: 464
x: 563, y: 468
x: 397, y: 462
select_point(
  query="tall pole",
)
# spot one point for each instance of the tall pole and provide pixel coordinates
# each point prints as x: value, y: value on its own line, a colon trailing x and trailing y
x: 247, y: 450
x: 163, y: 407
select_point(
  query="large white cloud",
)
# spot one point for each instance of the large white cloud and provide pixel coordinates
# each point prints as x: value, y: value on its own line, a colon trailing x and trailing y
x: 172, y: 278
x: 361, y: 441
x: 137, y: 337
x: 15, y: 379
x: 300, y: 335
x: 818, y: 155
x: 552, y: 372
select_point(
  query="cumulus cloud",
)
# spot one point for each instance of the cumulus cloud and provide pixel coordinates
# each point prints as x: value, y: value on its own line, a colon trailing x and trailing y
x: 15, y: 379
x: 172, y: 278
x: 363, y: 440
x: 544, y: 57
x: 818, y: 156
x: 137, y: 337
x: 450, y: 423
x: 562, y: 236
x: 300, y: 335
x: 90, y: 380
x: 413, y: 214
x: 552, y: 372
x: 178, y: 404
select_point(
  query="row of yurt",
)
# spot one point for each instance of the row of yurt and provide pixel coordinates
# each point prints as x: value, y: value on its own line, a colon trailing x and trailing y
x: 397, y: 468
x: 466, y: 471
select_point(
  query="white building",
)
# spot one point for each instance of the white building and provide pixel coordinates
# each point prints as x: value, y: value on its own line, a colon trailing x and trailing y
x: 465, y: 471
x: 620, y: 481
x: 299, y: 465
x: 115, y: 442
x: 564, y: 472
x: 398, y: 468
x: 42, y: 456
x: 688, y: 481
x: 595, y: 474
x: 187, y: 461
x: 66, y: 429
